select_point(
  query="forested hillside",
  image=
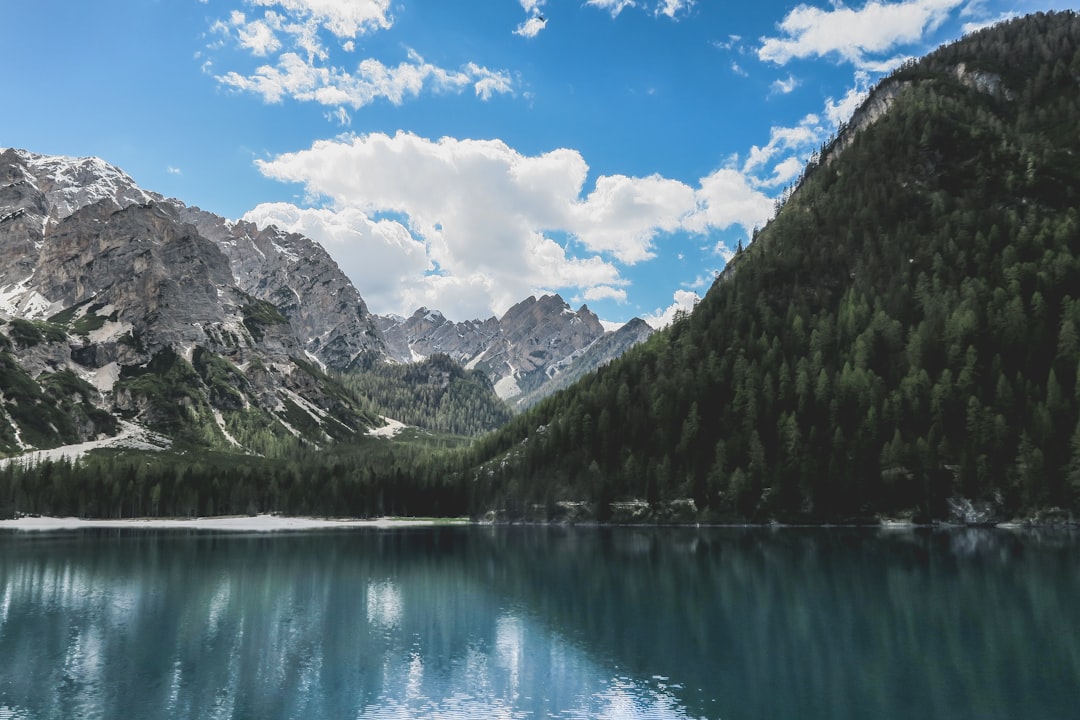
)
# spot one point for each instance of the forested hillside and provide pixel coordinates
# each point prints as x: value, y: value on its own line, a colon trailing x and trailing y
x: 435, y: 394
x: 902, y: 339
x: 906, y: 330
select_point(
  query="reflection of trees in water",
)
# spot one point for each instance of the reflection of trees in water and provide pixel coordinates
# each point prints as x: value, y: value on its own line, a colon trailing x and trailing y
x: 838, y: 622
x: 722, y: 622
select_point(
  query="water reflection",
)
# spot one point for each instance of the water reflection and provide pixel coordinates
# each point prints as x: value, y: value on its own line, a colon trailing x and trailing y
x: 539, y: 622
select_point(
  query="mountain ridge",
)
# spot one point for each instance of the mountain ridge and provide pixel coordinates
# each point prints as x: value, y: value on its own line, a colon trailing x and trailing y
x: 899, y: 341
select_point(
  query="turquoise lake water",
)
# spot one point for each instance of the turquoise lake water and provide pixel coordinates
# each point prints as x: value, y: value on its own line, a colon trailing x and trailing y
x: 532, y: 622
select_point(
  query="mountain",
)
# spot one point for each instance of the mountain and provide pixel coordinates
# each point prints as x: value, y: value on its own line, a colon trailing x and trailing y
x: 521, y: 353
x: 122, y: 306
x: 121, y: 309
x: 601, y: 351
x: 903, y: 339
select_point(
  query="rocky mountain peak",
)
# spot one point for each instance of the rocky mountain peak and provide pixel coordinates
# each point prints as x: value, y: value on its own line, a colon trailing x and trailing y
x: 70, y: 184
x: 519, y: 352
x: 163, y: 314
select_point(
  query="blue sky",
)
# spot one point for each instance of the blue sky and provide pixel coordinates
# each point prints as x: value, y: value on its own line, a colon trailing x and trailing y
x: 462, y: 156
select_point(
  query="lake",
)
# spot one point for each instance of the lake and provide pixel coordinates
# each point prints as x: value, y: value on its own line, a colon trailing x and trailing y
x: 530, y: 622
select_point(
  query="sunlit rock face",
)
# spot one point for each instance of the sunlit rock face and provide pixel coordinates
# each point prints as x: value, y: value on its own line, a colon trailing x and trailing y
x: 521, y: 352
x: 98, y: 278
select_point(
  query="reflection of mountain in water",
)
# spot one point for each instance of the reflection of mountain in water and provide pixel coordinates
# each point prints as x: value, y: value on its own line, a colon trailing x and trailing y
x: 533, y: 622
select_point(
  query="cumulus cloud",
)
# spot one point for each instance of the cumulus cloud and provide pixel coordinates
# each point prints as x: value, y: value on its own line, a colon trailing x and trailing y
x: 859, y: 36
x: 684, y: 301
x: 493, y: 225
x: 785, y: 171
x: 612, y: 6
x: 605, y: 292
x: 535, y: 22
x: 479, y: 209
x: 302, y: 80
x: 531, y: 27
x: 380, y: 256
x: 257, y: 36
x: 840, y: 111
x: 727, y: 198
x: 291, y: 32
x: 343, y: 18
x: 803, y: 136
x: 622, y: 215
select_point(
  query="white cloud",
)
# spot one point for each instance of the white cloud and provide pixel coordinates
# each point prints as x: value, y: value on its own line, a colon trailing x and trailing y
x: 489, y: 82
x: 301, y: 71
x: 379, y: 256
x: 339, y: 115
x: 726, y: 198
x: 343, y: 18
x: 496, y: 225
x: 667, y: 8
x: 800, y: 137
x: 783, y: 87
x: 172, y: 170
x: 671, y: 8
x: 305, y: 81
x: 684, y: 300
x: 531, y: 27
x: 622, y: 215
x: 256, y: 36
x: 785, y: 171
x: 840, y: 111
x: 875, y: 28
x: 480, y: 210
x: 613, y: 6
x: 724, y: 251
x: 605, y: 292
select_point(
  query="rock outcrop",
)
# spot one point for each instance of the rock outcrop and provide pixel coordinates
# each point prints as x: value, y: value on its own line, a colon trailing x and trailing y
x: 521, y: 352
x: 162, y: 314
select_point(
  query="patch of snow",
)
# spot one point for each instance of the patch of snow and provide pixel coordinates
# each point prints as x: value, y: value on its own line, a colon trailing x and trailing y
x: 392, y: 428
x: 507, y: 387
x: 21, y: 300
x: 105, y: 377
x: 288, y: 253
x: 109, y: 331
x: 316, y: 361
x: 317, y: 413
x: 15, y: 428
x: 221, y: 426
x: 74, y: 183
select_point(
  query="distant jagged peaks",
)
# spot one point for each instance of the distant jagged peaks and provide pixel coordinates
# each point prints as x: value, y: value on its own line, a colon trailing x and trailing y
x: 520, y: 352
x: 173, y: 317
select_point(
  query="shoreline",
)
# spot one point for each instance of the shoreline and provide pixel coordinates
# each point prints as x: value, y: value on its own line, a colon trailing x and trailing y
x: 237, y: 523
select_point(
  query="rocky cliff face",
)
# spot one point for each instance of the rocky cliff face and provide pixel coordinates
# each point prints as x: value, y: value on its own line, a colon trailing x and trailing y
x: 605, y: 349
x: 297, y: 276
x: 162, y: 314
x: 532, y: 343
x: 118, y: 305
